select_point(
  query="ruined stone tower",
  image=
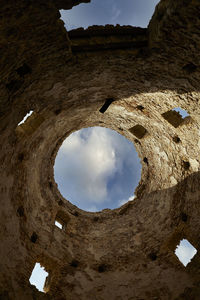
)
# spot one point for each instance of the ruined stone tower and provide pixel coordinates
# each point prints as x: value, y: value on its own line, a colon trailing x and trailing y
x: 124, y: 78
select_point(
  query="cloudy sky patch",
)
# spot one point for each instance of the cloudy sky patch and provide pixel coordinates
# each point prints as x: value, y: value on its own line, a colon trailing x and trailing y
x: 122, y: 202
x: 97, y: 168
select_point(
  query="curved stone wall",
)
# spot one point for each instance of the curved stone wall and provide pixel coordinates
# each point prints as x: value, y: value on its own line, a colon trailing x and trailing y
x: 68, y: 81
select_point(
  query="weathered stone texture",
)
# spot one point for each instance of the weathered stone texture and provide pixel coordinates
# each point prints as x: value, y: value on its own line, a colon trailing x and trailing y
x: 127, y: 253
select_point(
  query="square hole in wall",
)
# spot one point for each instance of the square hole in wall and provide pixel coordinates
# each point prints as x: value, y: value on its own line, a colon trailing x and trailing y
x: 58, y: 224
x: 61, y: 220
x: 175, y: 116
x: 185, y: 251
x: 139, y: 131
x: 38, y: 277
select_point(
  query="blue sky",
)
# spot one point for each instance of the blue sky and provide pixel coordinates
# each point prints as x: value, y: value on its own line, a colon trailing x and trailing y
x: 101, y: 12
x: 182, y: 112
x: 97, y: 168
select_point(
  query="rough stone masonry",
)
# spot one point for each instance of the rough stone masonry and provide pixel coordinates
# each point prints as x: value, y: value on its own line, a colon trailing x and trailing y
x: 124, y: 78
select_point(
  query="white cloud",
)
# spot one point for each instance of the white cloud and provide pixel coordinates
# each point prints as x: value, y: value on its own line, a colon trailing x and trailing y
x: 122, y: 202
x: 91, y: 159
x: 92, y: 209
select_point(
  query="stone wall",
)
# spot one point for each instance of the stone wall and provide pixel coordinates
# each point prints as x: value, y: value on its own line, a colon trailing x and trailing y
x: 126, y: 253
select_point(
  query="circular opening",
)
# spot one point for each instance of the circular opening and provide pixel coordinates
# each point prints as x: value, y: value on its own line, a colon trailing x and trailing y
x: 97, y: 168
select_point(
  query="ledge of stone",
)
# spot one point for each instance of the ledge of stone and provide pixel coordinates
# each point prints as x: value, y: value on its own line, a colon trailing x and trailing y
x: 106, y: 31
x: 97, y: 38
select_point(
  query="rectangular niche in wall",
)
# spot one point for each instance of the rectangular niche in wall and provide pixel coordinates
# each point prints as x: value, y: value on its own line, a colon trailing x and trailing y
x: 185, y: 252
x: 176, y: 116
x: 138, y: 130
x: 61, y: 220
x: 107, y: 103
x: 30, y: 123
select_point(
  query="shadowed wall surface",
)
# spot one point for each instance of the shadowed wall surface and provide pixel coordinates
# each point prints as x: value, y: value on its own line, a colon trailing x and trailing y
x: 123, y: 78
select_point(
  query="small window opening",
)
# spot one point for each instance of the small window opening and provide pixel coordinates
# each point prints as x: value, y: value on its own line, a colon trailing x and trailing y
x: 21, y: 157
x: 139, y: 131
x: 60, y: 203
x: 74, y: 263
x: 23, y: 70
x: 96, y: 219
x: 58, y: 224
x: 153, y: 256
x: 57, y: 111
x: 176, y: 139
x: 20, y: 211
x: 186, y: 165
x: 34, y: 237
x: 102, y: 268
x: 26, y: 117
x: 38, y: 277
x: 50, y: 184
x: 185, y: 251
x: 145, y: 160
x: 190, y: 68
x: 61, y: 220
x: 184, y: 217
x: 140, y: 107
x: 106, y: 105
x: 75, y: 213
x: 175, y: 116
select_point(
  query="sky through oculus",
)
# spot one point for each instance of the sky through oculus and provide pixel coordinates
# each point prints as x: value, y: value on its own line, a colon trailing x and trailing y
x: 97, y: 168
